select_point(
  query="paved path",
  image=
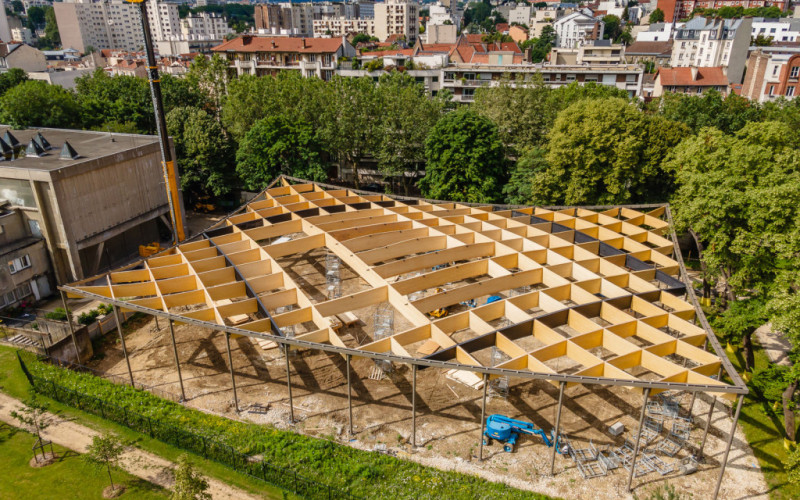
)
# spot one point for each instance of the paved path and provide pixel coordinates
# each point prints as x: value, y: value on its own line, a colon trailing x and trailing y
x: 774, y: 344
x: 135, y: 461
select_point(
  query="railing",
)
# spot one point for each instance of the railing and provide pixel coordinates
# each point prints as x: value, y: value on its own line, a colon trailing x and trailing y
x: 207, y: 447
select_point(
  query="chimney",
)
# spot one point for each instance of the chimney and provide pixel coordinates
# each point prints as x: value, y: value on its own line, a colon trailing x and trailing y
x: 246, y: 39
x: 68, y: 152
x: 694, y: 73
x: 304, y: 42
x: 274, y: 45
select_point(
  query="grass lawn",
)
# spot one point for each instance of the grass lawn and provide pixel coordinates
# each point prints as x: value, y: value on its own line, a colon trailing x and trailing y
x: 14, y: 383
x: 69, y: 477
x: 763, y: 428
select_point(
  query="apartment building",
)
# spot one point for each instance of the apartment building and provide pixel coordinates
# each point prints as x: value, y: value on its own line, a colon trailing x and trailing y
x: 656, y: 32
x: 397, y: 17
x: 165, y: 23
x: 25, y: 272
x: 205, y: 26
x: 577, y: 29
x: 599, y: 53
x: 713, y: 42
x: 675, y: 10
x: 343, y: 26
x: 76, y: 189
x: 107, y: 24
x: 772, y: 73
x: 285, y: 18
x: 778, y: 30
x: 5, y: 28
x: 267, y: 55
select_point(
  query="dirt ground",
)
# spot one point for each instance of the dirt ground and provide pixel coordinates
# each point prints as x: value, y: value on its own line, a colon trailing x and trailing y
x: 448, y: 418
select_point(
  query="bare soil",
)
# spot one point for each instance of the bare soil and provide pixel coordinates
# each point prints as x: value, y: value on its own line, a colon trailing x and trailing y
x: 38, y: 462
x: 113, y: 491
x: 448, y: 413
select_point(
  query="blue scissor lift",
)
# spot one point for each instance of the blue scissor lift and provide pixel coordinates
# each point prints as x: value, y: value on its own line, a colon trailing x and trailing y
x: 507, y: 431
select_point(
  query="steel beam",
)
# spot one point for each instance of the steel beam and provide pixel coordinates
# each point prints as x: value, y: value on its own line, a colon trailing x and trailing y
x: 122, y: 341
x: 71, y: 327
x: 638, y: 438
x: 728, y: 446
x: 557, y: 429
x: 177, y: 359
x: 233, y: 377
x: 483, y: 416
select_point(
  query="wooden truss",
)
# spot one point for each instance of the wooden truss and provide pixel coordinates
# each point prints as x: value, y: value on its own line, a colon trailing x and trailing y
x: 577, y: 295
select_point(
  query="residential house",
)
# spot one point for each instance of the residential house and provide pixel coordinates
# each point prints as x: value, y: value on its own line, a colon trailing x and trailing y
x: 577, y: 29
x: 704, y: 42
x: 772, y: 73
x: 19, y: 55
x: 693, y: 81
x: 600, y: 52
x: 656, y: 32
x: 258, y: 55
x: 658, y: 53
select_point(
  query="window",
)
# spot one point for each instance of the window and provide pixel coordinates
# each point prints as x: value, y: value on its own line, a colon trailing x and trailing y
x: 795, y: 72
x: 771, y: 90
x: 34, y: 225
x: 789, y: 91
x: 19, y: 264
x: 24, y: 290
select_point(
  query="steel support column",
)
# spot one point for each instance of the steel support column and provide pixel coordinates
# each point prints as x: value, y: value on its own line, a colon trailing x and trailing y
x: 349, y: 397
x: 638, y: 438
x: 483, y: 416
x: 71, y: 328
x: 728, y: 447
x: 122, y: 341
x: 414, y: 405
x: 557, y: 429
x: 708, y: 424
x: 177, y: 360
x: 233, y: 377
x: 289, y: 382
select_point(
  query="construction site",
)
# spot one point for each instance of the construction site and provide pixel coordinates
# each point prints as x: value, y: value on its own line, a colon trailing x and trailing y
x: 561, y: 350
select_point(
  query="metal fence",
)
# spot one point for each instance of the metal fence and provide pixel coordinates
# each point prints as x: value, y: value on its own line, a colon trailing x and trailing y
x: 207, y: 447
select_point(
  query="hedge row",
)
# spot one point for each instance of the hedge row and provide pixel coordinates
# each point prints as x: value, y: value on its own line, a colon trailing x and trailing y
x: 362, y: 473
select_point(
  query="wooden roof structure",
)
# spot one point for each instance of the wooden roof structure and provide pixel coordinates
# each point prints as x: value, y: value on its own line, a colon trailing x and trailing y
x: 579, y: 295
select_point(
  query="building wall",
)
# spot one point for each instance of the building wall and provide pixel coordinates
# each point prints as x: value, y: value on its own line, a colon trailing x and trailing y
x: 27, y: 58
x: 397, y: 17
x: 753, y: 85
x: 18, y: 241
x: 5, y: 29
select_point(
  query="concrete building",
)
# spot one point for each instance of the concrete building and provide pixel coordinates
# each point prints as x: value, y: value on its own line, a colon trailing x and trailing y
x: 656, y: 32
x: 108, y: 24
x: 19, y: 55
x: 343, y: 26
x: 165, y: 23
x: 397, y: 17
x: 681, y: 9
x: 5, y: 28
x: 441, y: 33
x: 204, y: 26
x: 692, y: 81
x: 778, y: 30
x: 521, y: 14
x: 599, y: 53
x: 716, y: 42
x: 257, y: 55
x: 23, y: 35
x: 95, y: 205
x: 25, y: 272
x: 772, y: 73
x: 577, y: 29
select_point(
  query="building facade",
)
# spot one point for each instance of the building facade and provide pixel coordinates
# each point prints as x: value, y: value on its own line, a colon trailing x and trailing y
x: 19, y: 55
x: 397, y: 17
x: 343, y: 26
x: 577, y: 29
x: 716, y: 42
x: 93, y: 206
x: 691, y: 81
x: 25, y: 272
x: 772, y: 73
x: 674, y: 10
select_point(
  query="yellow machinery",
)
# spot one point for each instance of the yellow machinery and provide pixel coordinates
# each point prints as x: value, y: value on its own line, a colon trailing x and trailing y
x: 442, y: 311
x: 148, y: 250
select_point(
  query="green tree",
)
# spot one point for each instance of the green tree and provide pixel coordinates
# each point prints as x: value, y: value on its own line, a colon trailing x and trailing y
x: 466, y: 161
x: 408, y: 115
x: 189, y: 483
x: 533, y: 115
x: 605, y: 151
x: 11, y: 78
x: 519, y: 188
x: 51, y: 36
x: 351, y: 121
x: 279, y: 145
x: 361, y: 38
x: 34, y: 103
x: 33, y: 414
x: 17, y: 6
x: 712, y: 109
x: 105, y: 453
x: 657, y: 16
x: 739, y: 322
x: 36, y: 17
x: 204, y: 152
x: 613, y: 27
x: 212, y: 77
x: 181, y: 93
x: 108, y: 100
x: 792, y: 466
x: 738, y: 192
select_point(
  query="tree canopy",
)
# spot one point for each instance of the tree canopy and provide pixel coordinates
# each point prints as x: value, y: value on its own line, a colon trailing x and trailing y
x: 466, y: 161
x: 36, y: 103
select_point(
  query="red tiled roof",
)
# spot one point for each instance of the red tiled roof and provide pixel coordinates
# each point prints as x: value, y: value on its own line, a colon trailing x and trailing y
x: 395, y: 52
x: 474, y: 38
x: 682, y: 77
x: 501, y: 27
x: 249, y: 43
